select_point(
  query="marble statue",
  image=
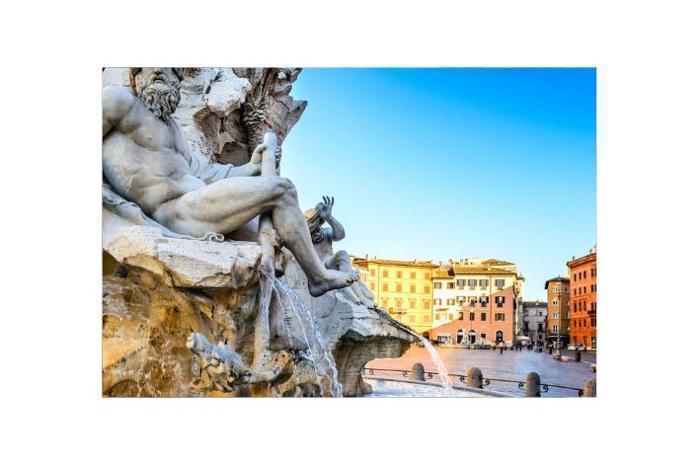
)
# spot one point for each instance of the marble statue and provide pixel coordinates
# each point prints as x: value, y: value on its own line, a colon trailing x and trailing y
x: 323, y: 239
x: 146, y: 161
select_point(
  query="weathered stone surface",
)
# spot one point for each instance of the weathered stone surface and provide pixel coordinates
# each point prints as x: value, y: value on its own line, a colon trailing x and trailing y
x: 181, y: 262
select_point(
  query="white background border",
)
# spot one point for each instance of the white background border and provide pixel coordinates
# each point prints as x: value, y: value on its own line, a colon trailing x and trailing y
x: 647, y: 213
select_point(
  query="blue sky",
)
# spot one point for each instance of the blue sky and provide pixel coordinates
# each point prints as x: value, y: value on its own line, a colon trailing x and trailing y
x: 447, y: 162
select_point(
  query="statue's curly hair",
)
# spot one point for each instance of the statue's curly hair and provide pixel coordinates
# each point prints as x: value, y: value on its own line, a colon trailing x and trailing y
x: 134, y: 71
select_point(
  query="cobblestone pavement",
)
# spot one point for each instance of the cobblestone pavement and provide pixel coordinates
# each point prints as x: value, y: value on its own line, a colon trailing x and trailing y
x: 514, y: 365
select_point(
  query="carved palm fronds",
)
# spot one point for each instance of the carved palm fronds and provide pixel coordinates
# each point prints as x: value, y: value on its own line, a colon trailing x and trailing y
x: 268, y: 106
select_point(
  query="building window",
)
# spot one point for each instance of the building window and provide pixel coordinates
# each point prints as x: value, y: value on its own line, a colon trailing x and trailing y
x: 372, y: 272
x: 399, y: 302
x: 426, y: 319
x: 437, y: 301
x: 461, y: 315
x: 483, y: 284
x: 483, y: 336
x: 437, y: 317
x: 399, y: 288
x: 385, y: 302
x: 411, y: 303
x: 451, y: 316
x: 472, y: 316
x: 471, y: 283
x: 584, y: 274
x: 399, y: 274
x: 483, y: 317
x: 450, y: 285
x: 426, y: 289
x: 413, y: 275
x: 426, y: 304
x: 555, y: 328
x: 450, y: 302
x: 385, y: 287
x: 437, y: 285
x: 427, y: 276
x: 500, y: 283
x: 461, y: 283
x: 500, y: 300
x: 385, y: 274
x: 554, y: 302
x: 500, y: 316
x: 413, y: 288
x: 371, y: 286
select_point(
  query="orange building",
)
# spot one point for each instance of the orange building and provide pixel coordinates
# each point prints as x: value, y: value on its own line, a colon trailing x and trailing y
x: 583, y: 274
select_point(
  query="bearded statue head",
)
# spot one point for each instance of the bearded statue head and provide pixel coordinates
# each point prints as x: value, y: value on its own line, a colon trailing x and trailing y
x: 158, y: 89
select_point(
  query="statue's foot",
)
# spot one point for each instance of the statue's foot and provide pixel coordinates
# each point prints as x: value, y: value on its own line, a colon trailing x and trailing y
x: 332, y: 280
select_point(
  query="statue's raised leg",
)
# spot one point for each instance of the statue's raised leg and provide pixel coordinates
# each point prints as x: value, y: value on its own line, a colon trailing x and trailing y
x: 226, y: 205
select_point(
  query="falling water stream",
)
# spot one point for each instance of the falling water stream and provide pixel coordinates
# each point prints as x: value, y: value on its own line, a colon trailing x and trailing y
x: 318, y: 349
x: 437, y: 361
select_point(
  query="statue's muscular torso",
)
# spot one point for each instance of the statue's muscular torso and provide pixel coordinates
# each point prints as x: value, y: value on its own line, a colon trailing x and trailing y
x: 144, y: 158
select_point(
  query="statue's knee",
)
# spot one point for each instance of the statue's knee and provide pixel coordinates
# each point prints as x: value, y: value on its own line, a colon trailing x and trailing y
x: 288, y: 187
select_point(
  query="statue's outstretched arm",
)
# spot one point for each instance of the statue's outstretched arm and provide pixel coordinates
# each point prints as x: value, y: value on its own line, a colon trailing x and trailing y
x: 218, y: 171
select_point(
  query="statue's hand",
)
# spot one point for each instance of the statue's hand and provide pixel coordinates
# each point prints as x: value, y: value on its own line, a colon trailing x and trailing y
x: 325, y: 208
x: 256, y: 157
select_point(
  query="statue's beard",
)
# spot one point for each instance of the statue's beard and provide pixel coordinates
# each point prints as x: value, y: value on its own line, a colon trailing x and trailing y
x: 161, y: 99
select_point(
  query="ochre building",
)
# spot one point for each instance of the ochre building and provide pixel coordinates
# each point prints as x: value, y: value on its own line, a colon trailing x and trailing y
x: 403, y: 288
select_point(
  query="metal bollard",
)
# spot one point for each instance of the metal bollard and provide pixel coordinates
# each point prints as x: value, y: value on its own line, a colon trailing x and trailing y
x: 418, y: 372
x: 577, y: 356
x: 532, y: 385
x: 589, y: 389
x: 474, y: 378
